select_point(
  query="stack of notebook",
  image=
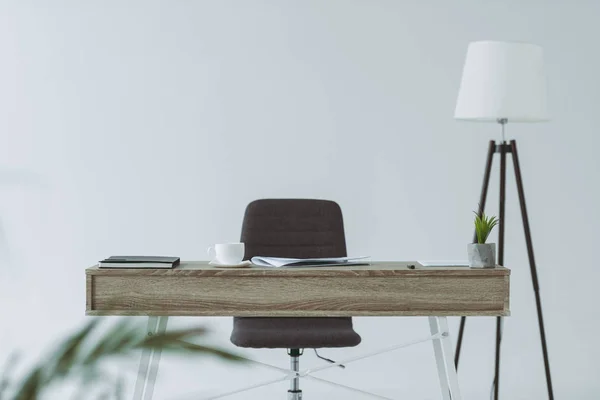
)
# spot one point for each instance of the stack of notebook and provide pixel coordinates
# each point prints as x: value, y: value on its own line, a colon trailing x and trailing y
x: 139, y: 262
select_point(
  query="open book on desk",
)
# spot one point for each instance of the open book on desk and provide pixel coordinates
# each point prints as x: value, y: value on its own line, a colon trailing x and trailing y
x: 278, y: 262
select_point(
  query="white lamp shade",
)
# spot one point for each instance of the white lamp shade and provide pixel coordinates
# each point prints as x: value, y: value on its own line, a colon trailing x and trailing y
x: 503, y: 80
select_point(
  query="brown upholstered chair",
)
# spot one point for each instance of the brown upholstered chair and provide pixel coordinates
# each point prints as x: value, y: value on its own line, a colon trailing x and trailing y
x: 295, y: 228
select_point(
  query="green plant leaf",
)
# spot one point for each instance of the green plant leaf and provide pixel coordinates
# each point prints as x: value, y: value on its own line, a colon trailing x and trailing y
x: 213, y: 351
x: 171, y: 337
x: 122, y: 335
x: 79, y: 356
x: 31, y: 386
x: 5, y: 378
x: 483, y: 226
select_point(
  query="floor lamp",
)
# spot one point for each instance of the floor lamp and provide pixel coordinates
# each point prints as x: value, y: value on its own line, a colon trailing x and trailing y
x: 504, y: 82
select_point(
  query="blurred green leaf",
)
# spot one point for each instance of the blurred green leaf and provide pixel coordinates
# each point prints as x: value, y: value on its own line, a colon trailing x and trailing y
x: 213, y: 351
x: 80, y: 355
x: 5, y: 377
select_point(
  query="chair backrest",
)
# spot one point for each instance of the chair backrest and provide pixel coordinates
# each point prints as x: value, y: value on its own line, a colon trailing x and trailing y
x: 295, y: 228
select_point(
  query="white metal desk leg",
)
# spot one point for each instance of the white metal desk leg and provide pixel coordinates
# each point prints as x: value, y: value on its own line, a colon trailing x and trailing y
x: 444, y: 357
x: 439, y: 358
x: 148, y: 369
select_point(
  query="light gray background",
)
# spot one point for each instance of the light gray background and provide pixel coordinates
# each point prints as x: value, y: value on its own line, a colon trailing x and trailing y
x: 147, y: 126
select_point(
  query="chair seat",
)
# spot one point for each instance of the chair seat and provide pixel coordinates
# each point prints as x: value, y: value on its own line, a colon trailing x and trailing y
x: 293, y: 333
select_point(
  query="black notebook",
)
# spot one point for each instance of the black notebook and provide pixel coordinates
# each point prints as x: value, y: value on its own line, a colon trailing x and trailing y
x: 139, y: 262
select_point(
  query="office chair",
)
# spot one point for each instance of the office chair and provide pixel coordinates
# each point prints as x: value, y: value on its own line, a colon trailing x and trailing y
x: 295, y: 228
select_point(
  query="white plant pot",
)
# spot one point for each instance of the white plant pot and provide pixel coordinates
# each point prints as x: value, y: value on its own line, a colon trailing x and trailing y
x: 482, y: 255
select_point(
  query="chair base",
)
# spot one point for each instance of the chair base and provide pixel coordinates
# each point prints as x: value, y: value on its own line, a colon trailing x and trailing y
x: 295, y: 393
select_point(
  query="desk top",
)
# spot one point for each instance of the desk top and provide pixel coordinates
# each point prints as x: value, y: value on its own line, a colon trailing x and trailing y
x: 379, y: 289
x: 375, y: 268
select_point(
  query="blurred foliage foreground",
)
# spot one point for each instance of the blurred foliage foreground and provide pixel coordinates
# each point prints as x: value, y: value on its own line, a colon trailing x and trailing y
x: 78, y: 360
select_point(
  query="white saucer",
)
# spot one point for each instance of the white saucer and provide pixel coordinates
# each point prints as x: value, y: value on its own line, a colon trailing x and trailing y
x: 243, y: 264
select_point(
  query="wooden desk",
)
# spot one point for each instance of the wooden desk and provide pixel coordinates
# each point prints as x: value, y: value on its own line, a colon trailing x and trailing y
x: 379, y: 289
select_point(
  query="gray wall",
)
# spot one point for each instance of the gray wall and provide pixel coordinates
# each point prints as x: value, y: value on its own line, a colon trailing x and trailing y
x: 147, y: 126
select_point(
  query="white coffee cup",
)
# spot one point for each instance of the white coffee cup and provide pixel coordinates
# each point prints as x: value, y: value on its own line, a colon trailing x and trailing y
x: 227, y: 253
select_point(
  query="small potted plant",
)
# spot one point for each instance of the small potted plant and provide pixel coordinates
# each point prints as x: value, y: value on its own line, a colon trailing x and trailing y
x: 482, y: 254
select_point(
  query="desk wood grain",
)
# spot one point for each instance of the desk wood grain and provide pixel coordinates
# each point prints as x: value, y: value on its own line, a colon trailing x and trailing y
x: 378, y: 289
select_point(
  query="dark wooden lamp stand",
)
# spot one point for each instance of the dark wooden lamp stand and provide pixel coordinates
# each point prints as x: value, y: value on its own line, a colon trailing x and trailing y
x: 504, y: 148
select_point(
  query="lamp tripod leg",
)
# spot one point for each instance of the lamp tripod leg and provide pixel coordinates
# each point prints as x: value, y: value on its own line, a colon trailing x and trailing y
x: 461, y: 332
x: 482, y: 200
x: 501, y: 229
x: 532, y: 266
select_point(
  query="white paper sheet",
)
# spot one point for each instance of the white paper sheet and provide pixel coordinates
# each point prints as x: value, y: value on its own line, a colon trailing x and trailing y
x: 277, y: 262
x: 444, y: 263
